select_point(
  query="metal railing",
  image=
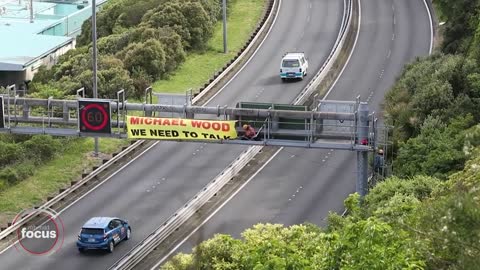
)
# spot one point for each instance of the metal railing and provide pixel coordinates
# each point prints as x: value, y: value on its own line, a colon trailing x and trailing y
x: 66, y: 192
x: 12, y: 89
x: 141, y: 250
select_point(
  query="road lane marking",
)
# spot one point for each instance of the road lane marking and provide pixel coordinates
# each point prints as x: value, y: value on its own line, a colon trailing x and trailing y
x: 251, y: 57
x: 351, y: 53
x: 431, y: 26
x: 276, y: 153
x: 94, y: 188
x: 216, y: 210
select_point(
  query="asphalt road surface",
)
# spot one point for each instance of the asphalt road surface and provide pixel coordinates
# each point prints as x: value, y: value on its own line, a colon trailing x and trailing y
x: 303, y: 185
x: 152, y: 187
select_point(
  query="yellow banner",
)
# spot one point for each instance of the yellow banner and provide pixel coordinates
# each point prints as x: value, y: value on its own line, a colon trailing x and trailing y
x: 182, y: 129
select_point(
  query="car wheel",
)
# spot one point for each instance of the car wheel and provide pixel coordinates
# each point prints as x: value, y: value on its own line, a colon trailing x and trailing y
x: 111, y: 246
x: 81, y: 250
x: 128, y: 234
x: 283, y: 79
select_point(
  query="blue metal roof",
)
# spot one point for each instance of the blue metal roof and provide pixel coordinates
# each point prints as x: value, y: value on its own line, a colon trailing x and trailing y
x: 18, y: 53
x: 97, y: 222
x: 23, y: 42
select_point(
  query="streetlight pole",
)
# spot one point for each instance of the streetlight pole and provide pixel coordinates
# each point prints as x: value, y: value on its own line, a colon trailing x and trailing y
x: 224, y: 6
x: 94, y: 49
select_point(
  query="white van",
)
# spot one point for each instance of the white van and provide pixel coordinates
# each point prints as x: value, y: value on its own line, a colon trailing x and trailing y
x: 294, y: 65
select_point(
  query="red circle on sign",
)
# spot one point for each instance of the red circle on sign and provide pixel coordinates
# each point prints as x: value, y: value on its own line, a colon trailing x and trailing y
x: 101, y: 109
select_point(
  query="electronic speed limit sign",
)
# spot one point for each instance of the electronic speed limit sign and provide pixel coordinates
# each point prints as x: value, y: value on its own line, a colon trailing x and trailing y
x: 94, y: 116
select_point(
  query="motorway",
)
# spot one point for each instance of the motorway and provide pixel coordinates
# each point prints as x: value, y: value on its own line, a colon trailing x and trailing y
x: 152, y: 187
x: 303, y: 185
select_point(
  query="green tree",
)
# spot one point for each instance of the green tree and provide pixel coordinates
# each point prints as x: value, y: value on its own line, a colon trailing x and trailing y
x: 370, y: 244
x: 419, y: 187
x: 41, y: 90
x: 199, y: 24
x: 437, y: 151
x: 189, y: 19
x: 432, y: 99
x: 449, y: 221
x: 170, y: 15
x: 172, y: 45
x: 141, y: 80
x: 112, y: 77
x: 148, y: 56
x: 462, y: 20
x: 114, y: 43
x: 439, y: 86
x: 180, y: 261
x: 220, y: 252
x: 117, y: 16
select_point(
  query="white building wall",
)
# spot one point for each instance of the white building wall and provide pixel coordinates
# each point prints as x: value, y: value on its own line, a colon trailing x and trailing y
x: 49, y: 60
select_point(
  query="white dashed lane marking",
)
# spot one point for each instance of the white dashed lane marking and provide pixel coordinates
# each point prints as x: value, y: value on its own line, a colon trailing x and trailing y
x: 295, y: 194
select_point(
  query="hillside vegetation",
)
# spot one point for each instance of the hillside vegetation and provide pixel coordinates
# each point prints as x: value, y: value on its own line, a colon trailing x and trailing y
x: 140, y: 41
x: 426, y: 216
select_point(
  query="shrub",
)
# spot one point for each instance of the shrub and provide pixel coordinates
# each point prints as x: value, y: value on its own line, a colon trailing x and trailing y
x: 10, y: 153
x: 42, y: 147
x: 141, y: 80
x: 45, y: 91
x: 9, y: 175
x: 148, y: 56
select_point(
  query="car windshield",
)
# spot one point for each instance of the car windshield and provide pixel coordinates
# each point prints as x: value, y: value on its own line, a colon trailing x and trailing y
x: 290, y: 63
x: 92, y: 231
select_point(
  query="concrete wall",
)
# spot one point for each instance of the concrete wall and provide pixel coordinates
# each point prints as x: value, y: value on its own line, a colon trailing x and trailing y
x: 48, y: 60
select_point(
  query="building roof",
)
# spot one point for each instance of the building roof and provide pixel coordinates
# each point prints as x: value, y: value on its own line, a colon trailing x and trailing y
x: 23, y: 42
x: 25, y: 49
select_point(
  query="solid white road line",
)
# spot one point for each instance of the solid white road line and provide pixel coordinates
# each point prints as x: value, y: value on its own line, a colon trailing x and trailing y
x: 251, y: 57
x: 431, y: 26
x: 88, y: 192
x: 266, y: 163
x: 216, y: 210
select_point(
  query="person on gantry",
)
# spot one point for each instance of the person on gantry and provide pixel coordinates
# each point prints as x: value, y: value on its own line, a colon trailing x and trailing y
x: 378, y: 164
x: 249, y: 132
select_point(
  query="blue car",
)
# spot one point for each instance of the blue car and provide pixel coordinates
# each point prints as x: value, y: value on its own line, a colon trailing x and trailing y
x: 103, y: 233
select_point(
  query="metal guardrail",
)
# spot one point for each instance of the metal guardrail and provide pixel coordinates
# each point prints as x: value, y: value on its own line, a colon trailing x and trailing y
x: 184, y: 109
x: 69, y: 190
x: 182, y: 215
x: 141, y: 250
x: 344, y: 29
x: 240, y: 58
x: 5, y: 233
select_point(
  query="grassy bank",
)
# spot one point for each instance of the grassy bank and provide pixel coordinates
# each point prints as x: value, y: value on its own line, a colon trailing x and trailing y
x: 199, y: 68
x: 55, y: 174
